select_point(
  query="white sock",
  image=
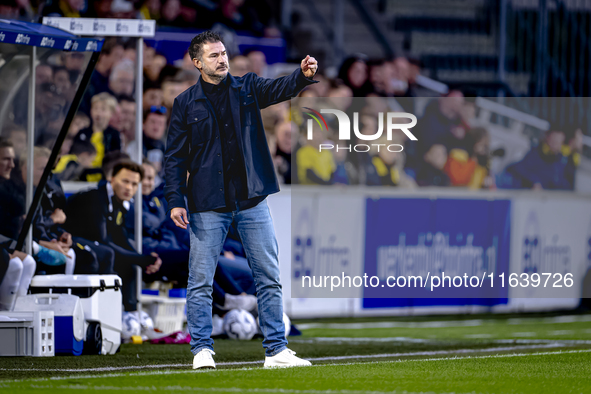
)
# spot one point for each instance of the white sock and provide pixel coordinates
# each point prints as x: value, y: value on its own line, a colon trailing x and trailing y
x: 29, y: 266
x: 35, y: 248
x: 10, y: 283
x: 70, y: 262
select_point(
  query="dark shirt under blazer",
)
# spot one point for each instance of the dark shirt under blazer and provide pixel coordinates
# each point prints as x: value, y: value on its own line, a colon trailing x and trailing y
x: 233, y: 170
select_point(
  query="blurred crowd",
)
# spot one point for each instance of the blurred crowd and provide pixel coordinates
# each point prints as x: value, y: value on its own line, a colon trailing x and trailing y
x: 452, y: 150
x: 92, y: 232
x: 256, y: 17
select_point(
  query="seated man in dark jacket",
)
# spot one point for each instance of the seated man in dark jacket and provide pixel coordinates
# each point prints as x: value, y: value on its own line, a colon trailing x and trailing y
x: 48, y: 227
x: 99, y: 215
x: 543, y: 167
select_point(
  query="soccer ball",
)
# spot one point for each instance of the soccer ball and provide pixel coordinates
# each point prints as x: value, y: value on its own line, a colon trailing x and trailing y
x: 240, y: 324
x: 131, y: 325
x: 146, y: 321
x: 286, y: 321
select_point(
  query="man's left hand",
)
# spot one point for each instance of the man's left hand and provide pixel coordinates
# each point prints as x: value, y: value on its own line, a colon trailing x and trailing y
x: 309, y: 66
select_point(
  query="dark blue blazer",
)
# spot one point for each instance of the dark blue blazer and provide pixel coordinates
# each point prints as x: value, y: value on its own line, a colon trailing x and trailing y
x: 193, y: 142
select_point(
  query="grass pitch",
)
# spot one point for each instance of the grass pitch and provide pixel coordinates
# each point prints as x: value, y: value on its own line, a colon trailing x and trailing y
x: 545, y: 353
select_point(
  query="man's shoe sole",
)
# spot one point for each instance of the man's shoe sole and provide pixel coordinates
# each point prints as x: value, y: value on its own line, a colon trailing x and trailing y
x: 205, y: 367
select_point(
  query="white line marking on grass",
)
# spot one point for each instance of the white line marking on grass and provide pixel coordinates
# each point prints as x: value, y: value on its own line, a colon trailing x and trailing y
x: 448, y: 323
x: 550, y: 320
x: 233, y: 390
x: 562, y: 341
x: 361, y: 326
x: 153, y: 373
x: 561, y: 332
x: 436, y: 352
x: 361, y: 339
x: 331, y: 358
x: 438, y: 341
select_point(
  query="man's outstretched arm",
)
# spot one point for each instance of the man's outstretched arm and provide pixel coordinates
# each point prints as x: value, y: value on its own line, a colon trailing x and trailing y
x: 273, y: 91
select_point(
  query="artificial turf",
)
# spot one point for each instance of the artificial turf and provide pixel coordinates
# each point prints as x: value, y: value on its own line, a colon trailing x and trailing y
x: 474, y: 354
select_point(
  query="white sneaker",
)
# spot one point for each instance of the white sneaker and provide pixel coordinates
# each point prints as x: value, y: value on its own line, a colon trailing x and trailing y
x: 245, y: 301
x: 285, y: 359
x: 203, y: 359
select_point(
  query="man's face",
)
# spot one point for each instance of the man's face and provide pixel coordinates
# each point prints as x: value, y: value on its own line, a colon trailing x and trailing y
x: 155, y: 126
x: 283, y: 133
x: 125, y: 184
x: 377, y: 76
x: 116, y: 55
x: 152, y: 97
x: 61, y: 79
x: 127, y: 115
x: 482, y: 147
x: 240, y: 66
x: 169, y: 92
x: 6, y: 162
x: 115, y: 120
x: 154, y: 68
x: 452, y: 105
x: 148, y: 181
x: 49, y: 101
x: 101, y: 114
x: 76, y: 4
x: 214, y: 62
x: 555, y: 139
x: 357, y: 74
x: 122, y: 83
x: 258, y: 62
x: 74, y: 61
x: 576, y: 143
x: 86, y: 159
x: 43, y: 74
x: 436, y: 156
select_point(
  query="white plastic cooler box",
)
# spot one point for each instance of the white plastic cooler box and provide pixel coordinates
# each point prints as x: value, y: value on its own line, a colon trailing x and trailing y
x: 100, y: 297
x: 69, y: 322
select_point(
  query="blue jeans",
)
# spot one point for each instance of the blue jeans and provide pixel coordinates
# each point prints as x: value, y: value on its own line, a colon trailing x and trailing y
x: 208, y: 232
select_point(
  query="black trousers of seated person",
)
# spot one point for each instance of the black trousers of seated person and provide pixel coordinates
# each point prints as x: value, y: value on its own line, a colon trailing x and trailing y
x: 175, y: 267
x: 103, y: 257
x: 113, y: 259
x: 126, y: 262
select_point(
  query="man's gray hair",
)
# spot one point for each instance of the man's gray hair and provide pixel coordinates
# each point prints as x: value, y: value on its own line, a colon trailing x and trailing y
x: 125, y: 65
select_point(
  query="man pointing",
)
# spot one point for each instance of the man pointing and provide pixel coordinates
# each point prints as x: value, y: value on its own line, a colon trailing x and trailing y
x: 216, y: 135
